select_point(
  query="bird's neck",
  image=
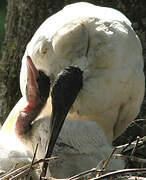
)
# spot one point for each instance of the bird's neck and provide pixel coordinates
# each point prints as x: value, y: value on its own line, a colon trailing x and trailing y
x: 8, y: 126
x: 26, y: 117
x: 12, y: 121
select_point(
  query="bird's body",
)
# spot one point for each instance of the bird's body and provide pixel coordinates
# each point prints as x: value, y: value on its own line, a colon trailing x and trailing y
x: 101, y: 42
x: 13, y: 156
x: 10, y: 152
x: 81, y: 144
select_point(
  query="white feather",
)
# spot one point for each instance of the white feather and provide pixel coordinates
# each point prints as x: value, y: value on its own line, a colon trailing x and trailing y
x: 81, y: 145
x: 103, y: 44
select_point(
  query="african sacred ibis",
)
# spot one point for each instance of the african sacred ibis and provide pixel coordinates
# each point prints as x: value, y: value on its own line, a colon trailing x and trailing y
x: 81, y: 144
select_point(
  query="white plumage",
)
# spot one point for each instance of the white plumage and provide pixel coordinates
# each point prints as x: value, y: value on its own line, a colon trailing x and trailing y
x: 102, y: 43
x: 13, y: 156
x: 81, y: 146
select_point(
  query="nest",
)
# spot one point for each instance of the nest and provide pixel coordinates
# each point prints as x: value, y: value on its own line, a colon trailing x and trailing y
x: 133, y: 152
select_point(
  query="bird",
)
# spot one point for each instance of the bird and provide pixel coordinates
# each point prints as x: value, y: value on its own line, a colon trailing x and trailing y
x: 101, y: 42
x: 20, y: 119
x: 16, y: 129
x: 81, y: 145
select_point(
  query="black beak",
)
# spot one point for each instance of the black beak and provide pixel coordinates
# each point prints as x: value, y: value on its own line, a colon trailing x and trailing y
x: 64, y: 92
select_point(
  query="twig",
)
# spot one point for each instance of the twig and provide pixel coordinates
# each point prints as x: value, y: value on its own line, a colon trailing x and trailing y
x: 13, y: 172
x: 88, y: 172
x: 134, y: 122
x: 20, y: 174
x: 134, y: 158
x: 138, y: 138
x: 136, y: 178
x: 23, y: 168
x: 130, y: 146
x: 107, y: 161
x: 83, y: 173
x: 108, y: 175
x: 133, y: 150
x: 33, y: 159
x: 44, y: 160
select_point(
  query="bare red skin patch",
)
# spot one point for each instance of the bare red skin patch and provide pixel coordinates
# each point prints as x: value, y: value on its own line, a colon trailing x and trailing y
x: 35, y: 102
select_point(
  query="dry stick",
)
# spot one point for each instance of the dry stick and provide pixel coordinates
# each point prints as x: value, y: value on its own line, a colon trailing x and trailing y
x: 25, y: 167
x: 134, y: 122
x: 20, y: 174
x: 138, y: 138
x: 87, y: 172
x: 33, y: 158
x: 124, y: 148
x: 133, y: 150
x: 107, y: 161
x: 10, y: 171
x: 13, y: 172
x: 136, y: 177
x: 29, y: 166
x: 131, y: 145
x: 119, y: 172
x: 94, y: 169
x: 83, y: 173
x: 135, y: 159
